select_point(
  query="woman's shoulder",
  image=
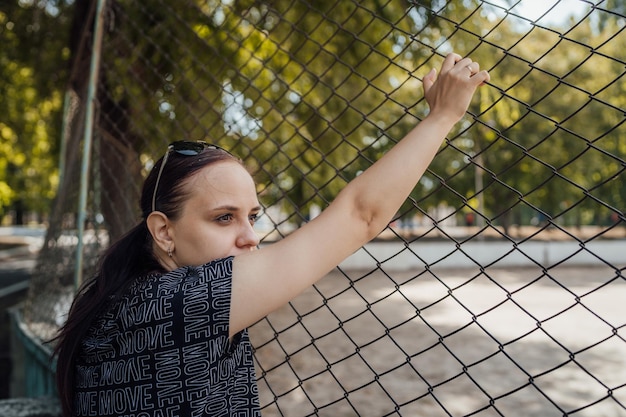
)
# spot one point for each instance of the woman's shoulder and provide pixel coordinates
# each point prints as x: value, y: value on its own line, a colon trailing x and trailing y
x: 215, y: 274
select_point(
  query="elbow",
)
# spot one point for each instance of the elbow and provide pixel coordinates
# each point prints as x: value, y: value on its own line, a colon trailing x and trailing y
x: 363, y: 215
x: 374, y: 228
x: 372, y: 222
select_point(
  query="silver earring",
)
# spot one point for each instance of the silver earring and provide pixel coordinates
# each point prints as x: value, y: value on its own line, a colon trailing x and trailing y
x: 169, y: 252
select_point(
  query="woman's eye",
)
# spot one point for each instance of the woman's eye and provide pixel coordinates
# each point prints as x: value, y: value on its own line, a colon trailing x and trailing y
x: 253, y: 218
x: 226, y: 218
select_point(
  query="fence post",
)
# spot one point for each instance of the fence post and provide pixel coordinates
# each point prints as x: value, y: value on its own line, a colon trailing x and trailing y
x: 88, y: 137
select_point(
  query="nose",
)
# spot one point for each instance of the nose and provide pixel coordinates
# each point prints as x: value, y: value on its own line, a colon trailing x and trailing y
x: 248, y: 238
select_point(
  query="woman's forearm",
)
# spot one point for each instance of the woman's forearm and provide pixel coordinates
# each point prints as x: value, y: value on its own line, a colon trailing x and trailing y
x: 380, y: 190
x: 359, y: 212
x: 377, y: 193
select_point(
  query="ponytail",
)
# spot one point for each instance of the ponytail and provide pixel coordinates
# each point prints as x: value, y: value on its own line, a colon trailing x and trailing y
x: 127, y: 259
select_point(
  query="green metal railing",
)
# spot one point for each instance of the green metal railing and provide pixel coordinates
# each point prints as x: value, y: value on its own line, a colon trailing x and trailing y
x: 34, y: 357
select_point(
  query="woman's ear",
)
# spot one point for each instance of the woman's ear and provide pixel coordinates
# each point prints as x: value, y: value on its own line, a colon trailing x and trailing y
x: 159, y: 227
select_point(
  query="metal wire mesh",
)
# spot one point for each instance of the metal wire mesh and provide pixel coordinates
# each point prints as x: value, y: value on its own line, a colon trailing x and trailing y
x: 497, y: 290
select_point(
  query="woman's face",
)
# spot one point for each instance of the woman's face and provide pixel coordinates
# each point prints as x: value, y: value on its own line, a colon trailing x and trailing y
x: 216, y: 220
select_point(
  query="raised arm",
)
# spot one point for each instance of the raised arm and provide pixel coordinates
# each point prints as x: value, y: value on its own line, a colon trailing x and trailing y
x: 266, y: 279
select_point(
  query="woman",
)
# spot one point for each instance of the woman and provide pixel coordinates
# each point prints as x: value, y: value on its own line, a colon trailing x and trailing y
x: 161, y: 329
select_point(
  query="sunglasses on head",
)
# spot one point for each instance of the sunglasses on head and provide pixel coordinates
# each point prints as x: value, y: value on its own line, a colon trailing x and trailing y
x: 185, y: 148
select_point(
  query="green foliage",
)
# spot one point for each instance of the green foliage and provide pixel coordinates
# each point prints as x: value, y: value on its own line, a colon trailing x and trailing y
x: 550, y: 137
x: 31, y: 69
x: 310, y: 93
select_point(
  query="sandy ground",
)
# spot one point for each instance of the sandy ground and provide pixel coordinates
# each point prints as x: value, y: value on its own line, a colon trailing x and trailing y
x: 503, y: 342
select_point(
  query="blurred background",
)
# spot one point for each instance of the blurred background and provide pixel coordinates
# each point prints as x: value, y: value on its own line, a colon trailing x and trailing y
x: 526, y: 196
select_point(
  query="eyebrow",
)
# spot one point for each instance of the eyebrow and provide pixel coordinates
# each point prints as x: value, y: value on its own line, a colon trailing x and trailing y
x: 233, y: 208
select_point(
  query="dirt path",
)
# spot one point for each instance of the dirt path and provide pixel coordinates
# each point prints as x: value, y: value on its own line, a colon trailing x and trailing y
x: 513, y: 342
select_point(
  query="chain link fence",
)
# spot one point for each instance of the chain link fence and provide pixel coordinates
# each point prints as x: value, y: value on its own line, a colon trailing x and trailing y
x: 498, y: 289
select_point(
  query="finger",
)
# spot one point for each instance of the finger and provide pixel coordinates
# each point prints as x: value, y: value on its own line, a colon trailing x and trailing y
x: 449, y: 62
x: 481, y: 77
x: 464, y: 67
x: 429, y: 80
x: 474, y: 68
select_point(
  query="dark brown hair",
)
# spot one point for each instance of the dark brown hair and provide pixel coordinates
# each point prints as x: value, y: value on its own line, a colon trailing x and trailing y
x: 126, y: 260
